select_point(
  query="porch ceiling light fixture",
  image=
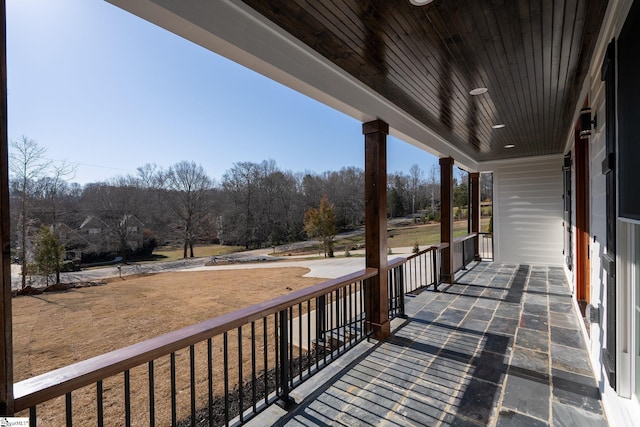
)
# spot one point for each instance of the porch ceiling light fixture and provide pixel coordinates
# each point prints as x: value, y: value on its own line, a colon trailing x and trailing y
x: 509, y: 146
x: 478, y: 91
x: 420, y: 2
x: 498, y: 126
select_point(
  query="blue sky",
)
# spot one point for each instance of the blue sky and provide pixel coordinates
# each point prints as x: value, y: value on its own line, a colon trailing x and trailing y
x: 110, y: 92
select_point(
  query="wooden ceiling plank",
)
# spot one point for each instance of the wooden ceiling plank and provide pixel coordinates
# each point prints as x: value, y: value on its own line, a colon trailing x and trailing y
x: 526, y: 54
x: 493, y: 49
x: 431, y: 40
x: 546, y: 36
x: 509, y: 60
x: 464, y: 59
x: 470, y: 55
x: 532, y: 54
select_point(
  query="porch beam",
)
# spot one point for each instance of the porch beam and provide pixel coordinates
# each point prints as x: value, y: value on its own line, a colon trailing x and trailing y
x: 375, y: 182
x: 474, y: 210
x: 6, y: 340
x: 446, y: 217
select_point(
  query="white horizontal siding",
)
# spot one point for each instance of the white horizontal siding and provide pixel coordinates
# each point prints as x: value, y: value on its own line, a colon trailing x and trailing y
x: 528, y: 222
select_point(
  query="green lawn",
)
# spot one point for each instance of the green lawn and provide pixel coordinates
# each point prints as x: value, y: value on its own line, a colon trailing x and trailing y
x: 408, y: 234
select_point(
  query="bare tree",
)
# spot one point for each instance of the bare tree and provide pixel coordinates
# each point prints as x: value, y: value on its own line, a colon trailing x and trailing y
x: 56, y: 184
x: 434, y: 189
x: 242, y: 183
x: 27, y: 163
x: 186, y: 189
x: 415, y: 180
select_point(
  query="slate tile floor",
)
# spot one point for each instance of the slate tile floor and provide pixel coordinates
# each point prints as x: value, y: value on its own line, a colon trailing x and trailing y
x: 501, y: 347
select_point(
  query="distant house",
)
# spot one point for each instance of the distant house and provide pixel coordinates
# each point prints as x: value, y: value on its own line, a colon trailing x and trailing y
x: 97, y: 234
x: 75, y: 243
x: 117, y: 234
x: 130, y: 230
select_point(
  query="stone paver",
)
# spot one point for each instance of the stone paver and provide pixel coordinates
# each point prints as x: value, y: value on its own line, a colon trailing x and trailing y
x: 502, y: 347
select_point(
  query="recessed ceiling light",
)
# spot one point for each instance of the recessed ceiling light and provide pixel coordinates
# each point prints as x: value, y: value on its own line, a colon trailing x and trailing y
x: 478, y: 91
x: 509, y: 146
x: 498, y: 126
x: 420, y: 2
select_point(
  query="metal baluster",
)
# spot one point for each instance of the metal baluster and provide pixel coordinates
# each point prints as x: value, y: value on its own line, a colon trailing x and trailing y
x: 436, y: 278
x: 69, y: 410
x: 266, y: 361
x: 344, y: 319
x: 127, y: 398
x: 309, y: 336
x: 331, y: 304
x: 403, y: 314
x: 390, y: 293
x: 253, y: 365
x: 419, y: 271
x: 192, y: 374
x: 173, y: 388
x: 99, y: 403
x: 240, y: 381
x: 300, y: 365
x: 290, y: 347
x: 361, y: 309
x: 285, y: 400
x: 152, y: 394
x: 225, y: 353
x: 464, y: 258
x: 278, y: 350
x: 210, y: 379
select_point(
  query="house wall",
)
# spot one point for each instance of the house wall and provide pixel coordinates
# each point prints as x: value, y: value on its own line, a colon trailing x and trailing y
x: 620, y: 404
x: 528, y: 210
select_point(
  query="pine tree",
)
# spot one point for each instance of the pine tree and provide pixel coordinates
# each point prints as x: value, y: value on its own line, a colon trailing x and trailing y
x: 49, y: 254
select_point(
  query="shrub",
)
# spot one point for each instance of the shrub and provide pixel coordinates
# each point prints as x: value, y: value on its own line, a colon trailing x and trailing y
x: 416, y: 247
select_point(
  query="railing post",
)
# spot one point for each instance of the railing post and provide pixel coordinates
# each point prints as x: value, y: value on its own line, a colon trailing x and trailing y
x: 375, y: 194
x: 285, y: 401
x: 446, y: 218
x: 6, y: 328
x: 475, y: 211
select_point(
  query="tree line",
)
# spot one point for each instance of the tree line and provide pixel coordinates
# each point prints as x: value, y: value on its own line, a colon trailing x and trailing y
x: 254, y: 205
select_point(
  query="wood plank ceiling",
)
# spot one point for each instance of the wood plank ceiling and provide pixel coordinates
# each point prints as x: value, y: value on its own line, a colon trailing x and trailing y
x: 532, y: 55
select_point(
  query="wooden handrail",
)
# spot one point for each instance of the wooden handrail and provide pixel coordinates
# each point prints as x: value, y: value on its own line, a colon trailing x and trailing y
x: 58, y: 382
x: 396, y: 262
x: 465, y: 237
x: 438, y: 246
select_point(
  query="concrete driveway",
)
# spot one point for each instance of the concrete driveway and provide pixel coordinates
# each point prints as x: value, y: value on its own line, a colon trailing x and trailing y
x: 327, y: 268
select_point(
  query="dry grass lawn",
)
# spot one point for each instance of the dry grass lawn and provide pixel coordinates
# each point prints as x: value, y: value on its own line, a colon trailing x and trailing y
x: 54, y: 330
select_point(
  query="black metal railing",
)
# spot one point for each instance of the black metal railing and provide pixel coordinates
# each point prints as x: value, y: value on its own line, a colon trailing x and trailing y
x: 217, y: 372
x: 485, y: 246
x: 419, y: 271
x: 396, y: 287
x: 463, y: 251
x: 227, y: 369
